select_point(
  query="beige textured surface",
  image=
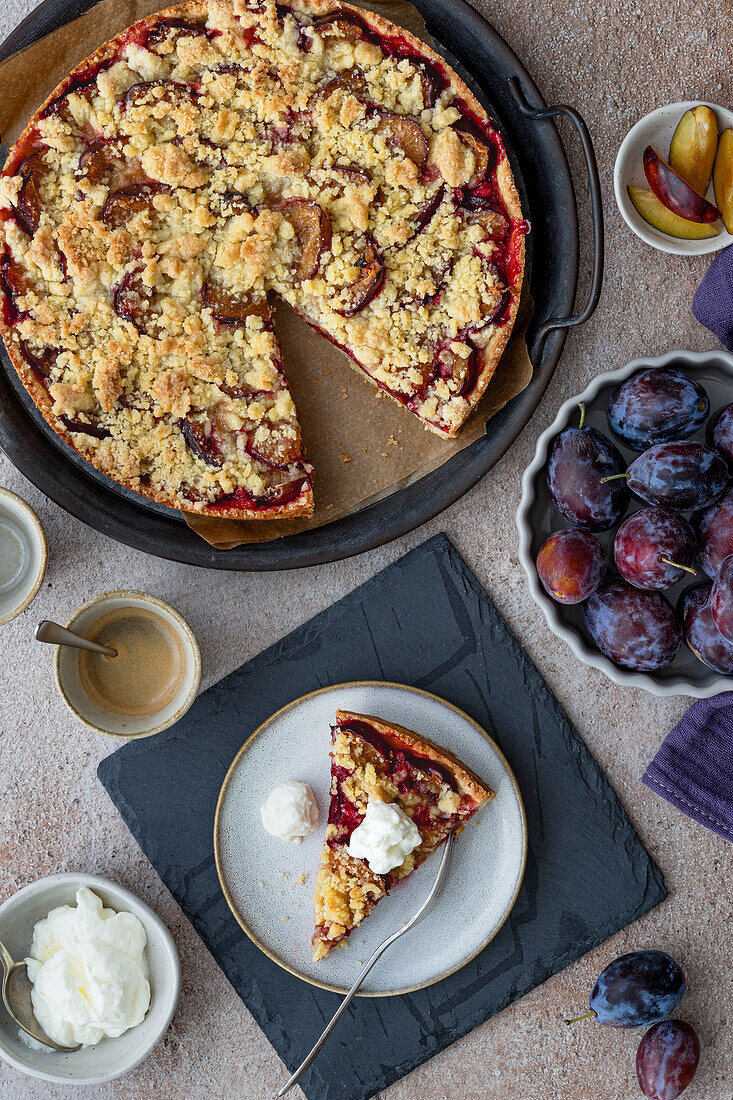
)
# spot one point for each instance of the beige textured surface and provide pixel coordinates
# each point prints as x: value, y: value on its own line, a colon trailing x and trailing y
x: 614, y: 61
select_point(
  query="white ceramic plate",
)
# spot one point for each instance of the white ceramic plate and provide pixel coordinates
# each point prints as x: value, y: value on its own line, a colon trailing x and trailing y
x: 110, y: 1058
x: 259, y: 873
x: 656, y: 129
x: 537, y: 519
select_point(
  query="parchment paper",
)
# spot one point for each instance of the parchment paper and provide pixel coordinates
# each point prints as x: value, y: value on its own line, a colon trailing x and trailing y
x: 363, y: 446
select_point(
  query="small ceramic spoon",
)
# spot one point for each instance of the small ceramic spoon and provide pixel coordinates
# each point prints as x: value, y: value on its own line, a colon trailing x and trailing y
x: 16, y: 992
x: 59, y: 635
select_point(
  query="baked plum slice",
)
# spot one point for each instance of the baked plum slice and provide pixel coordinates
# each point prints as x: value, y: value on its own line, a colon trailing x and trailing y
x: 177, y: 28
x: 277, y: 451
x: 28, y: 208
x: 342, y: 24
x: 351, y: 81
x: 484, y: 150
x: 201, y: 444
x: 282, y: 494
x: 13, y: 284
x: 313, y: 230
x: 121, y: 205
x: 230, y: 308
x: 174, y: 90
x: 369, y: 282
x: 405, y: 134
x: 40, y: 362
x: 456, y: 368
x: 99, y: 160
x: 81, y: 427
x: 132, y: 301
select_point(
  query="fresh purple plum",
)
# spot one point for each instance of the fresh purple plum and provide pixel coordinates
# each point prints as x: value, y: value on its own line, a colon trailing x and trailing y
x: 571, y: 565
x: 684, y: 475
x: 721, y: 599
x: 657, y: 406
x: 667, y: 1059
x: 579, y: 460
x: 654, y: 548
x: 715, y: 530
x: 637, y: 630
x: 723, y: 434
x: 637, y: 989
x: 701, y: 633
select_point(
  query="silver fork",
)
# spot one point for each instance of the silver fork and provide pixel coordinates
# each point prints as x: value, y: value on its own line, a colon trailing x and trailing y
x: 426, y: 906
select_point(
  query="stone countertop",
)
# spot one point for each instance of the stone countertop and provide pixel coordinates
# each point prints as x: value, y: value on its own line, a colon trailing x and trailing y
x: 614, y: 60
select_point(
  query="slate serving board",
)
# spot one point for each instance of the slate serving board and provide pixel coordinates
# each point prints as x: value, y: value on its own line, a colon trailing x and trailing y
x: 426, y: 621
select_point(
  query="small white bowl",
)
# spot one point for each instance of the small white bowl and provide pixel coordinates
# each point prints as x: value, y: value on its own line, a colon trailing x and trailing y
x: 66, y: 667
x: 537, y: 519
x: 110, y: 1058
x: 26, y: 557
x: 656, y: 129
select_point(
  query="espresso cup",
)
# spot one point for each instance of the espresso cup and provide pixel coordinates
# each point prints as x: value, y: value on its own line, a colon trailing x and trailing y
x: 89, y: 706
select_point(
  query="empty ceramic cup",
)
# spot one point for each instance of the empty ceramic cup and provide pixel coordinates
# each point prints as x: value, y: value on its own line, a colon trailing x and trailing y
x: 23, y: 555
x: 151, y: 681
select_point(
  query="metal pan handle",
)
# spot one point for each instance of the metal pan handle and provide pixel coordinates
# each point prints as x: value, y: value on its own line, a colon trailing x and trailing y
x: 596, y: 205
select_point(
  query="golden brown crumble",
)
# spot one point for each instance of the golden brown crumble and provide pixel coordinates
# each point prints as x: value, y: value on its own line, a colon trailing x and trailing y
x: 238, y: 150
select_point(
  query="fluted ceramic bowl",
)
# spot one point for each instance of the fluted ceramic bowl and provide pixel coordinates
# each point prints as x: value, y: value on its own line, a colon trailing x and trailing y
x: 537, y: 519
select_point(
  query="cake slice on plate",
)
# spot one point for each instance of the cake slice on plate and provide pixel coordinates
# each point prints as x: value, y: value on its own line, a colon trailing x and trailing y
x: 395, y: 796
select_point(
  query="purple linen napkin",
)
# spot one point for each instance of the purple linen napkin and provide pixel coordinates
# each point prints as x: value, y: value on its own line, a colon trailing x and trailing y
x: 713, y: 301
x: 694, y: 766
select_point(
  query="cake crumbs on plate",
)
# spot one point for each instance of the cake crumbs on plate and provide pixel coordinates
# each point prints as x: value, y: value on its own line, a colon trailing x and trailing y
x: 300, y: 879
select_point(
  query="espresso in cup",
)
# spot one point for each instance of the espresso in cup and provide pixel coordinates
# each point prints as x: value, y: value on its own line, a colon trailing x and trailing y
x: 149, y: 668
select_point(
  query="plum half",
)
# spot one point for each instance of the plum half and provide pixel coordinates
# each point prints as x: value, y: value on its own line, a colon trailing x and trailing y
x: 694, y: 142
x: 313, y: 230
x: 405, y: 134
x: 369, y: 282
x: 672, y: 190
x: 658, y: 216
x: 723, y: 178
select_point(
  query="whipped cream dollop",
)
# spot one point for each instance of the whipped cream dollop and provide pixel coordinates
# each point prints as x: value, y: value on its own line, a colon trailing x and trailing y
x: 290, y: 811
x: 384, y: 838
x: 89, y: 972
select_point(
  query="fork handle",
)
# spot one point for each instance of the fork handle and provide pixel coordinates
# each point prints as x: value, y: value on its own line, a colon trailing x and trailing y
x: 336, y: 1016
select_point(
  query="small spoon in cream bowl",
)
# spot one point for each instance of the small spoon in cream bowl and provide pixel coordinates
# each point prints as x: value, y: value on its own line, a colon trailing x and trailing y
x: 16, y: 994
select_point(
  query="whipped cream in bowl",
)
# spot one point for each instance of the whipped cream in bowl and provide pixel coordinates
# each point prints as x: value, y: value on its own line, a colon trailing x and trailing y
x: 89, y: 972
x: 105, y: 973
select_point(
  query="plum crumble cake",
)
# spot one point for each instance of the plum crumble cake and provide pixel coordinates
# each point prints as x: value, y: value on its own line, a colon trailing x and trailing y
x: 215, y: 153
x: 372, y: 760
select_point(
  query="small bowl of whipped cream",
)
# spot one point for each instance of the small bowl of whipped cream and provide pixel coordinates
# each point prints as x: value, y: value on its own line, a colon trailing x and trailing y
x: 104, y: 971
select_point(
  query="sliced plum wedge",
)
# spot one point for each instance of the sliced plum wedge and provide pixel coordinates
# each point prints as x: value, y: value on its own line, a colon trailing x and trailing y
x: 313, y: 230
x: 40, y: 362
x: 369, y: 282
x: 404, y: 133
x: 13, y: 285
x: 230, y: 308
x: 121, y: 205
x: 28, y: 207
x: 132, y: 301
x: 174, y: 28
x: 201, y: 444
x: 351, y: 81
x: 173, y: 90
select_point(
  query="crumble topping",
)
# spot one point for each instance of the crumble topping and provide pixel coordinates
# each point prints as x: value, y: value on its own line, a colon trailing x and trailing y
x: 212, y: 159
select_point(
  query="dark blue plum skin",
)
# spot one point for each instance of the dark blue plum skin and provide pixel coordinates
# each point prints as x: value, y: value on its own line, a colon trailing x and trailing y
x: 723, y: 434
x: 667, y: 1059
x: 715, y: 533
x: 701, y: 633
x: 721, y: 599
x: 685, y: 475
x: 637, y: 990
x: 645, y: 538
x: 657, y: 406
x: 637, y: 630
x: 579, y: 459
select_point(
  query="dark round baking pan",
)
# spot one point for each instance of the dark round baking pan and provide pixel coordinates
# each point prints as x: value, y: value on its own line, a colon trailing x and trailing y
x: 548, y: 197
